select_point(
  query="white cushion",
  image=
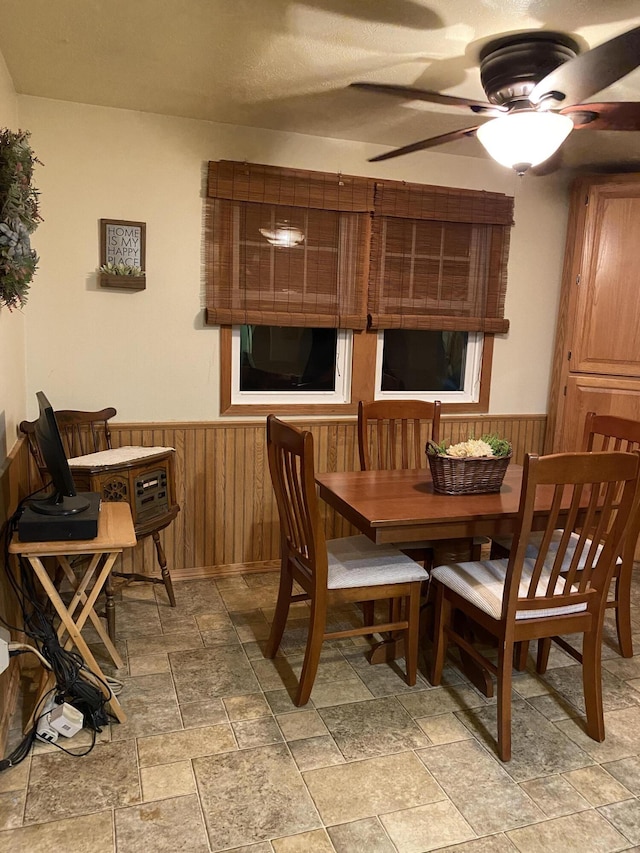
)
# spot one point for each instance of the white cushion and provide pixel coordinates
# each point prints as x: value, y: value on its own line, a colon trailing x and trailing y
x: 482, y: 584
x: 357, y: 561
x: 535, y: 538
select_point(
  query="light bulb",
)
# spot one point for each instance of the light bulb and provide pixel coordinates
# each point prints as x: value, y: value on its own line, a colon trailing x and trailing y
x: 284, y: 235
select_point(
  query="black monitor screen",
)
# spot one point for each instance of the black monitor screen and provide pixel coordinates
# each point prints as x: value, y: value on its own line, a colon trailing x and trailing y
x: 64, y: 500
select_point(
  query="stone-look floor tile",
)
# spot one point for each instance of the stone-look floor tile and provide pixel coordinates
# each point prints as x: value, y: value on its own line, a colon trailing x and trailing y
x: 11, y: 809
x: 624, y: 668
x: 340, y: 692
x: 427, y: 827
x: 360, y: 835
x: 555, y: 796
x: 163, y: 643
x: 78, y: 743
x: 137, y: 619
x: 275, y: 674
x: 165, y: 781
x: 625, y: 817
x: 255, y: 650
x: 207, y: 712
x: 528, y: 684
x: 251, y: 733
x: 136, y: 590
x: 248, y: 707
x: 238, y: 811
x: 220, y: 637
x: 371, y: 787
x: 622, y: 735
x: 374, y: 727
x: 627, y: 772
x: 280, y: 702
x: 164, y: 749
x: 384, y: 679
x: 263, y: 847
x: 316, y: 840
x: 201, y: 674
x: 307, y: 724
x: 87, y: 834
x: 163, y: 826
x: 571, y: 834
x: 193, y: 598
x: 214, y: 621
x: 60, y: 787
x: 260, y: 580
x: 250, y: 599
x: 232, y: 582
x: 554, y: 707
x: 15, y: 778
x: 498, y: 843
x: 445, y: 728
x: 538, y: 746
x: 149, y: 664
x: 567, y: 681
x: 150, y: 704
x: 315, y: 752
x: 597, y: 785
x: 493, y: 806
x: 438, y: 700
x: 332, y: 667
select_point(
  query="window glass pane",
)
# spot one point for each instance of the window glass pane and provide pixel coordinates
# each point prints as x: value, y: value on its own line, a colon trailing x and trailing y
x: 420, y: 360
x: 279, y: 358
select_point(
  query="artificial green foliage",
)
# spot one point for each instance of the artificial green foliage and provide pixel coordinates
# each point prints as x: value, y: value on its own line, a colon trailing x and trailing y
x: 19, y: 217
x: 121, y: 269
x: 500, y: 446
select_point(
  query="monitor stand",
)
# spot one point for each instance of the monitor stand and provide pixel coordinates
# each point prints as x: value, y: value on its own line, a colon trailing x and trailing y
x: 60, y: 505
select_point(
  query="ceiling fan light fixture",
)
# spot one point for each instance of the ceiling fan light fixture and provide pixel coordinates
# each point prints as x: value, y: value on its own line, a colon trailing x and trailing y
x: 524, y: 139
x: 284, y: 235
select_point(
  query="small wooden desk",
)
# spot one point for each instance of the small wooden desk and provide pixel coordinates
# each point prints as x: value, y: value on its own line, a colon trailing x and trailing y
x: 115, y: 532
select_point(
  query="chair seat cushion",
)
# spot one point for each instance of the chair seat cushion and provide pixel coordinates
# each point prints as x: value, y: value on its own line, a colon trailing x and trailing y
x: 482, y: 584
x: 357, y: 561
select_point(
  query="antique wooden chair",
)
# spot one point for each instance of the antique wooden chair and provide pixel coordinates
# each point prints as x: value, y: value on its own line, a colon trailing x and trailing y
x: 352, y: 569
x: 604, y: 433
x: 561, y: 591
x: 83, y: 433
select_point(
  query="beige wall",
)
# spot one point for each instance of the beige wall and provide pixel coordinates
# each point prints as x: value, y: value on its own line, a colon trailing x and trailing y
x: 12, y: 323
x: 147, y: 353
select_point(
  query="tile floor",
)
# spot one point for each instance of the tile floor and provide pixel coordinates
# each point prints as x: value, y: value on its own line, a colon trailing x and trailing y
x: 214, y: 755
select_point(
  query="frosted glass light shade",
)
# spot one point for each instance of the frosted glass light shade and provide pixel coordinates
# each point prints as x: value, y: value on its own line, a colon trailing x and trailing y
x: 524, y: 139
x: 283, y: 235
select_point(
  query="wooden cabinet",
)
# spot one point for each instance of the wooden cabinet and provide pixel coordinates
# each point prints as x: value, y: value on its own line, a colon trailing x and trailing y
x: 597, y: 353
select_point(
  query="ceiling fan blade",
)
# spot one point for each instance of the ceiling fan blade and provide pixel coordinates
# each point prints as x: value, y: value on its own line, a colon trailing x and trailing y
x: 413, y: 94
x: 590, y: 72
x: 622, y: 115
x: 425, y: 143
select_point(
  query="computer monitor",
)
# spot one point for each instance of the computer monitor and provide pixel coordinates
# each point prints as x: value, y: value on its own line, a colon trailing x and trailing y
x: 64, y: 500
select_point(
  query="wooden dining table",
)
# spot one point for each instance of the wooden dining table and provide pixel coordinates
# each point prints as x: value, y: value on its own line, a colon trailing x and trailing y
x: 402, y: 507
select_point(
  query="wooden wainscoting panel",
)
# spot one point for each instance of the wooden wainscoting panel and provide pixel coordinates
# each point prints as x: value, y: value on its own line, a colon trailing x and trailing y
x: 228, y: 515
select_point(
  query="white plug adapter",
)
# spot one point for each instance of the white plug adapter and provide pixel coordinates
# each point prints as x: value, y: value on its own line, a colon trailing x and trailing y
x: 44, y: 729
x: 66, y: 720
x: 5, y: 638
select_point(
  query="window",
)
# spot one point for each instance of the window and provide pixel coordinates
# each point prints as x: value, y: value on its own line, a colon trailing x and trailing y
x: 330, y: 289
x: 286, y: 364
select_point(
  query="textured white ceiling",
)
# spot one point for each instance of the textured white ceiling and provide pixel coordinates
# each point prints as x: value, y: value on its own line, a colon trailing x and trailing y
x: 286, y: 65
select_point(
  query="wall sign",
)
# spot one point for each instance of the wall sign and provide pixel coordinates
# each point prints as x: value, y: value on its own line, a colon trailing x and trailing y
x: 122, y: 254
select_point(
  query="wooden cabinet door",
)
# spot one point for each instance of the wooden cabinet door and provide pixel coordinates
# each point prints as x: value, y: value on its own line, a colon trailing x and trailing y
x: 605, y: 395
x: 605, y: 337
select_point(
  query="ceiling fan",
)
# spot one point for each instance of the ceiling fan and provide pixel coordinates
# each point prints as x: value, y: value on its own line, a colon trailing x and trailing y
x: 535, y: 84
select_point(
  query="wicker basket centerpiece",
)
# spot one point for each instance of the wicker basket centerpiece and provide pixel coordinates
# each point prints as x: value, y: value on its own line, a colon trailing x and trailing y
x: 476, y: 466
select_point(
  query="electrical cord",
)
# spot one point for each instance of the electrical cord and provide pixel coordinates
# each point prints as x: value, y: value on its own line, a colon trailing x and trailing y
x: 75, y: 681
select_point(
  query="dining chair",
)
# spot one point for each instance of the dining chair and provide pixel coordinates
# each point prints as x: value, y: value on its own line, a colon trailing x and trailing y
x: 352, y: 569
x: 560, y: 591
x: 391, y: 435
x: 604, y: 433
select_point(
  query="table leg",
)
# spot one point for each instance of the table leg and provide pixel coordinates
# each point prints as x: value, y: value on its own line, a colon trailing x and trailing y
x: 74, y: 628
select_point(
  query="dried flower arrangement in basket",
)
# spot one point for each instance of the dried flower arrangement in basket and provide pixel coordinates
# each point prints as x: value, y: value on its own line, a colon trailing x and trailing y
x: 476, y: 466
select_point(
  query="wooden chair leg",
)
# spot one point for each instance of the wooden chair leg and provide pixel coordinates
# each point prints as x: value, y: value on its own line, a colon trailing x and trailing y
x: 505, y: 672
x: 368, y: 608
x: 285, y: 591
x: 442, y: 615
x: 317, y: 624
x: 623, y: 613
x: 162, y: 561
x: 592, y: 683
x: 412, y: 606
x: 521, y: 653
x: 544, y: 647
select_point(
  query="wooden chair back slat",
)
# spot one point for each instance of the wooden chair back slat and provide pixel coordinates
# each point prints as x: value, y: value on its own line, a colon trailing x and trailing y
x: 393, y: 434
